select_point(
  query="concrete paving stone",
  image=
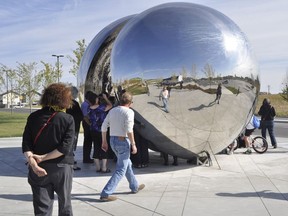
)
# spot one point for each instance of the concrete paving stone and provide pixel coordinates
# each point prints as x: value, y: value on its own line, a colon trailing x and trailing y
x: 237, y: 184
x: 224, y: 206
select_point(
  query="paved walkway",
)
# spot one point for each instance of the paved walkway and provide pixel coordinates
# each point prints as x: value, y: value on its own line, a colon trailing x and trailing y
x: 238, y: 184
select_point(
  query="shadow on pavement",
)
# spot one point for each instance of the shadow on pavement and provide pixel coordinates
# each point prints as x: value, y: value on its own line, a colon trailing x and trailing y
x: 263, y: 194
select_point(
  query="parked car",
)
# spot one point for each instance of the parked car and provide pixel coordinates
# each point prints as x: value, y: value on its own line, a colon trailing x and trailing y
x: 18, y: 106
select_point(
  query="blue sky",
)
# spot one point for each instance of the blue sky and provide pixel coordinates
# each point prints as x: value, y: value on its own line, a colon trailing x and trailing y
x: 33, y: 30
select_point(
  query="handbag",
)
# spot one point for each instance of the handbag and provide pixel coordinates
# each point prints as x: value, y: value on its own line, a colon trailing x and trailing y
x: 256, y: 122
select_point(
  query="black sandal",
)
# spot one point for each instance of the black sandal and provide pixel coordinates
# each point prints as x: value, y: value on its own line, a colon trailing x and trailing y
x: 106, y: 171
x: 99, y: 170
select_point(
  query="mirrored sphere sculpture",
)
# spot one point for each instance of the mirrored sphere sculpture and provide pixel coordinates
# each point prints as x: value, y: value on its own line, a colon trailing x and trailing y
x: 191, y: 50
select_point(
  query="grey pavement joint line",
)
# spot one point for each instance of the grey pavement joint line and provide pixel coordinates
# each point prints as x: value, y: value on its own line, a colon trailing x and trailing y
x: 152, y: 211
x: 166, y: 186
x: 268, y: 178
x: 93, y: 206
x: 251, y: 183
x: 187, y: 192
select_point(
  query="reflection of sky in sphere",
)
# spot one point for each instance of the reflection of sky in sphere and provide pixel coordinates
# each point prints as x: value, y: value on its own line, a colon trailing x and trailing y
x: 95, y: 45
x: 168, y: 38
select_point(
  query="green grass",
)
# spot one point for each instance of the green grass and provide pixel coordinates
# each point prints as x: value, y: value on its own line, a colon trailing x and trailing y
x: 280, y: 105
x: 12, y: 124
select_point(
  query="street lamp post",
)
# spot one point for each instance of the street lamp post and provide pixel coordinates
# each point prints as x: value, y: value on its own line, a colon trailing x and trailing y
x: 58, y: 64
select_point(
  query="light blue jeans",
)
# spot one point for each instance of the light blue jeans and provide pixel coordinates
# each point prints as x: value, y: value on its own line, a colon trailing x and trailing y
x: 165, y: 104
x: 123, y: 167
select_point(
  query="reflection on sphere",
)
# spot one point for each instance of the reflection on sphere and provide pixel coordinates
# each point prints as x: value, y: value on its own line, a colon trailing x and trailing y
x: 190, y: 49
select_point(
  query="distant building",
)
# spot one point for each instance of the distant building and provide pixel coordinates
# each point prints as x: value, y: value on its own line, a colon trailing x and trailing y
x: 35, y: 99
x: 9, y: 98
x: 12, y: 98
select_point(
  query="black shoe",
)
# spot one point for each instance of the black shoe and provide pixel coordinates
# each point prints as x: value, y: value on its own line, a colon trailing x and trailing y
x: 137, y: 166
x: 106, y: 171
x: 175, y: 164
x: 275, y: 146
x: 76, y: 168
x: 88, y: 161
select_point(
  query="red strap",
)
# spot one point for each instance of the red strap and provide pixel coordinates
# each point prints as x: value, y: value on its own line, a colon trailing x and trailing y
x: 41, y: 129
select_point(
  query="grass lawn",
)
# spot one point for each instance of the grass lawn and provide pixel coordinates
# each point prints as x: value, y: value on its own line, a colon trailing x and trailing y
x: 12, y: 125
x: 280, y: 105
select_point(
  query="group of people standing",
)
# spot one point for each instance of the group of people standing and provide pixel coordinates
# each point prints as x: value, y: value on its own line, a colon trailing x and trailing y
x: 50, y: 139
x: 95, y: 111
x: 267, y: 113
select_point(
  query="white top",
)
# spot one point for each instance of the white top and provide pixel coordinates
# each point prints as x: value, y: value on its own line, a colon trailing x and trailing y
x: 250, y: 125
x: 165, y: 93
x: 120, y: 119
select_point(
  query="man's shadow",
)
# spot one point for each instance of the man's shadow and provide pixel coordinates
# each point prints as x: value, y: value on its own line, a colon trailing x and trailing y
x: 202, y: 106
x: 155, y: 104
x: 264, y: 194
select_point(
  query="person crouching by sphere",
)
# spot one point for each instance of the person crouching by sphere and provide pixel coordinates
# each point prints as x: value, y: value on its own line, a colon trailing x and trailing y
x: 48, y: 147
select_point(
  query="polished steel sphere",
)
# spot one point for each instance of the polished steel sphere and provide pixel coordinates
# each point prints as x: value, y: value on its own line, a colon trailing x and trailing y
x: 198, y: 54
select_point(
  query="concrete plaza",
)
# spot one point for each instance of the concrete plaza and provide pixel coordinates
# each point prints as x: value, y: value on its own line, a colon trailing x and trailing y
x: 237, y: 184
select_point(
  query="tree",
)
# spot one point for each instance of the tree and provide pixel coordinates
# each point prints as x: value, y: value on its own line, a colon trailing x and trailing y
x: 3, y: 73
x: 209, y: 71
x: 48, y: 75
x: 10, y: 81
x: 30, y: 80
x: 184, y: 72
x: 284, y: 93
x: 194, y: 72
x: 78, y: 54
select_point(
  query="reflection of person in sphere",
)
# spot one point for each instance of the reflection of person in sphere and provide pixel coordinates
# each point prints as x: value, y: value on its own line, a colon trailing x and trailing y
x: 180, y: 80
x: 164, y: 95
x: 218, y: 92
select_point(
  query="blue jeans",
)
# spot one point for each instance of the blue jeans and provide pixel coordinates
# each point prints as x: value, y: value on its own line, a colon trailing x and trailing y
x: 270, y: 126
x: 165, y: 104
x: 121, y: 149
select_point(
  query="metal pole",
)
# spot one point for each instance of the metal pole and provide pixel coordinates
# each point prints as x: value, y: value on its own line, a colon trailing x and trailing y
x: 58, y: 65
x: 58, y: 68
x: 7, y: 85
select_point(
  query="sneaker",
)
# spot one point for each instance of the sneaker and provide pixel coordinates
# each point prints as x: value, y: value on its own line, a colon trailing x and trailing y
x: 108, y: 199
x: 140, y: 187
x: 248, y: 151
